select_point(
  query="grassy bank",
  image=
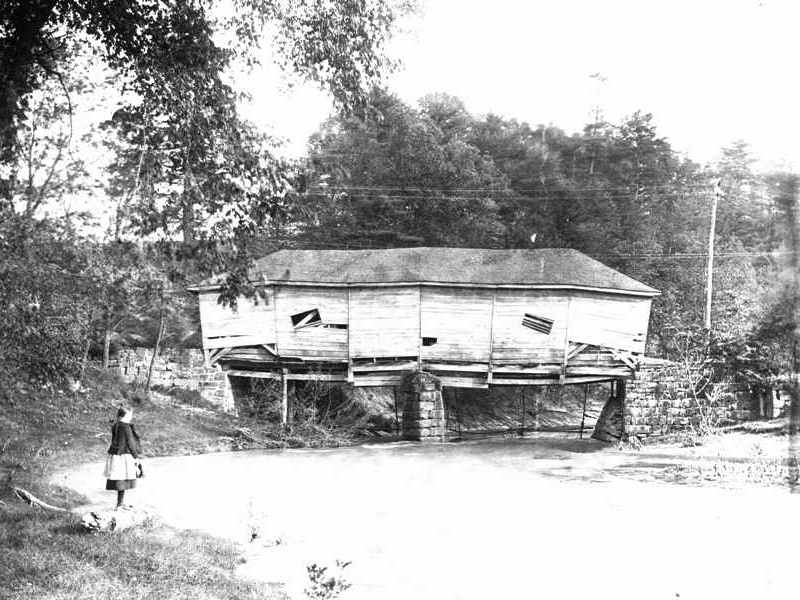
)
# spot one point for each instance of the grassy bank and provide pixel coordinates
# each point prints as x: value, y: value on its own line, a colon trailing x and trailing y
x: 44, y: 430
x: 45, y: 555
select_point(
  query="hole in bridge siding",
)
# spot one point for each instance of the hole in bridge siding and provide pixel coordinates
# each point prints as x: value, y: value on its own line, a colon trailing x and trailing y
x: 539, y: 324
x: 429, y: 341
x: 307, y: 317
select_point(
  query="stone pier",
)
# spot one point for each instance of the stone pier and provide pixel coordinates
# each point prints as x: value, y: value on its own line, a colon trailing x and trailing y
x: 610, y: 426
x: 423, y: 408
x: 216, y: 388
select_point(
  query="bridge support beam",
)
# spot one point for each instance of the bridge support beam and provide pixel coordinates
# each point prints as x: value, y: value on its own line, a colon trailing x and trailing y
x: 424, y: 418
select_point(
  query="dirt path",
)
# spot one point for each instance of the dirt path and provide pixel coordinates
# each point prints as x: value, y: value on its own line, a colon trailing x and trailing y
x: 547, y: 518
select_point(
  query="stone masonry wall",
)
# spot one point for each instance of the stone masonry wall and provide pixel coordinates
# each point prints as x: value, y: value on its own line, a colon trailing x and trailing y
x: 660, y: 401
x: 177, y: 368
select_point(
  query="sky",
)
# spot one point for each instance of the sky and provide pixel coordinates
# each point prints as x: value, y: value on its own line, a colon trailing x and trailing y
x: 710, y: 71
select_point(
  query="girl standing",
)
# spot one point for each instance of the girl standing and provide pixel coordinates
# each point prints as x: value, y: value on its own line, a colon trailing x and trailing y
x: 122, y: 465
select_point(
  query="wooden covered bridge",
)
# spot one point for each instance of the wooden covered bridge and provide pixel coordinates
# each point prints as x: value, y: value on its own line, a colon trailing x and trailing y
x: 461, y: 317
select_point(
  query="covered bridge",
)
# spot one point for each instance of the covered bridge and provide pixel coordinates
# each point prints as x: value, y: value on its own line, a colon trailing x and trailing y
x: 471, y: 317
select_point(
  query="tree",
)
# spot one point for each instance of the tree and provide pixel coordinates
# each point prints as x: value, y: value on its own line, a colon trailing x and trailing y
x: 47, y: 302
x: 403, y: 176
x: 339, y: 44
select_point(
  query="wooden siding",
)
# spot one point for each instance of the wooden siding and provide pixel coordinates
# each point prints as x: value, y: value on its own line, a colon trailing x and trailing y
x: 390, y: 321
x: 459, y: 319
x: 612, y: 321
x: 384, y: 322
x: 514, y: 342
x: 313, y: 341
x: 250, y: 324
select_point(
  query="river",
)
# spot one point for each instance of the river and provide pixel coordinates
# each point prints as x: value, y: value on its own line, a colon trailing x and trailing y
x: 541, y: 517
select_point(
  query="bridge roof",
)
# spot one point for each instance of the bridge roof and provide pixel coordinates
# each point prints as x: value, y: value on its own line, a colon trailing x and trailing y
x: 468, y: 267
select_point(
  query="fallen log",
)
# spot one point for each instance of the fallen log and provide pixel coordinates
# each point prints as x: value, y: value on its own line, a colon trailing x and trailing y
x: 32, y: 500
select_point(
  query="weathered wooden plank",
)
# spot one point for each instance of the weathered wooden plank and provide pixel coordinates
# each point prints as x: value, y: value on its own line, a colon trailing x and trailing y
x: 511, y: 340
x: 624, y: 357
x: 316, y: 376
x: 455, y: 366
x: 594, y: 359
x: 419, y: 324
x: 375, y: 381
x: 611, y: 321
x: 249, y: 353
x: 459, y: 320
x: 274, y: 295
x: 538, y: 370
x: 611, y: 371
x: 491, y: 337
x: 575, y: 350
x: 219, y: 354
x: 349, y: 332
x: 399, y: 366
x: 250, y: 324
x: 564, y: 360
x: 547, y: 380
x: 254, y: 374
x: 463, y: 382
x: 528, y: 356
x: 284, y: 398
x: 384, y: 322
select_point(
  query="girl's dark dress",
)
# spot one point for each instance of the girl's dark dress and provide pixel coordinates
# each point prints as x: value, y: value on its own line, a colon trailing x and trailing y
x: 121, y: 466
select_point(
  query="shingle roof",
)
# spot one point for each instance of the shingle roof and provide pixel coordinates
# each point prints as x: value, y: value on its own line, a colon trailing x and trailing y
x: 543, y: 267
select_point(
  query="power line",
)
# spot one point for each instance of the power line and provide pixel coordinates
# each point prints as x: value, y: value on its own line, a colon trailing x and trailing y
x: 408, y: 188
x: 509, y: 196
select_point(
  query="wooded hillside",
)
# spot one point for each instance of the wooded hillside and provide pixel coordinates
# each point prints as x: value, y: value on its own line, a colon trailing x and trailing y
x: 194, y: 189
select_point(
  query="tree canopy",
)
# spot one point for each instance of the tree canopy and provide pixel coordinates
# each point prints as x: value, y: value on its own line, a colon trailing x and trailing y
x: 436, y: 175
x: 189, y: 177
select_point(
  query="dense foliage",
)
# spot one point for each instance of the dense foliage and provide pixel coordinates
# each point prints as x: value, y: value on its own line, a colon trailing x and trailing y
x: 436, y: 175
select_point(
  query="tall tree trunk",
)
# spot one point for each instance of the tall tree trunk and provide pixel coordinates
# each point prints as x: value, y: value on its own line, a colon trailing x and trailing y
x: 107, y: 345
x: 88, y: 335
x: 85, y: 358
x: 187, y: 220
x: 16, y: 81
x: 157, y: 347
x: 790, y: 200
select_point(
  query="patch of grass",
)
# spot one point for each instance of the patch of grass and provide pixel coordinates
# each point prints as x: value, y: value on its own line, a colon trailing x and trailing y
x: 757, y: 472
x: 46, y: 556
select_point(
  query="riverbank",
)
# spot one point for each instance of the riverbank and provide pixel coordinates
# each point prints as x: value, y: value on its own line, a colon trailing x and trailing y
x: 45, y: 430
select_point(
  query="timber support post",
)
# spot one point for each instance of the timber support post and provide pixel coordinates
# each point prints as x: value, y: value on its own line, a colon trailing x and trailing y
x: 284, y: 398
x: 583, y: 414
x: 423, y: 408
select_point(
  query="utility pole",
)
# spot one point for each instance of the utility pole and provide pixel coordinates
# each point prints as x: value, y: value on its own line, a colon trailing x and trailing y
x: 601, y: 80
x: 710, y: 268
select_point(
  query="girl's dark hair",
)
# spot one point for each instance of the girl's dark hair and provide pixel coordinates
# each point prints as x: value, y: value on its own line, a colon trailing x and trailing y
x: 121, y: 412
